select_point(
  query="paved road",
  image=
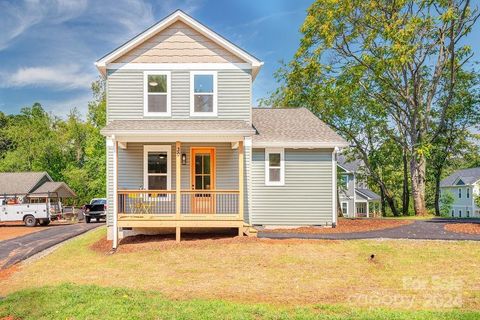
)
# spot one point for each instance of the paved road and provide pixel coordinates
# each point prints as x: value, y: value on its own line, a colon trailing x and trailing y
x: 21, y: 248
x: 422, y: 229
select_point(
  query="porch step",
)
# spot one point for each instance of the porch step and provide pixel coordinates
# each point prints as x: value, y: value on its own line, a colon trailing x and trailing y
x: 249, y: 231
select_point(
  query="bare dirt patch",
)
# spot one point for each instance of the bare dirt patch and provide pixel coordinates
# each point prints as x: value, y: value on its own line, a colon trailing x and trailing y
x: 6, y: 273
x: 470, y: 228
x: 140, y: 243
x: 348, y: 226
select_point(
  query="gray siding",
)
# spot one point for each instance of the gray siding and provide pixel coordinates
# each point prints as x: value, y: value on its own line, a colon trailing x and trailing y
x: 125, y: 95
x: 305, y: 199
x: 348, y: 194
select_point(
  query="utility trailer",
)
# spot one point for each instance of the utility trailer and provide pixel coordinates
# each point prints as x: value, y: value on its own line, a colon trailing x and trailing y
x: 32, y: 208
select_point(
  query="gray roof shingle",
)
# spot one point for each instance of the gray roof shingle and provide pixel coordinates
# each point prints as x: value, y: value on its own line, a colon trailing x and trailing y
x: 291, y: 125
x: 172, y: 126
x: 369, y: 193
x: 468, y: 176
x: 61, y: 188
x: 352, y: 166
x: 20, y: 182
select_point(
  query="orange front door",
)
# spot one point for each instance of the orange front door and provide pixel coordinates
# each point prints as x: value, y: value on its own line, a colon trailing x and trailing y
x: 203, y: 178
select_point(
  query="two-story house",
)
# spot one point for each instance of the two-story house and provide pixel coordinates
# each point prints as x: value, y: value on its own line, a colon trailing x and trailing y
x: 185, y: 148
x: 464, y: 186
x: 356, y: 199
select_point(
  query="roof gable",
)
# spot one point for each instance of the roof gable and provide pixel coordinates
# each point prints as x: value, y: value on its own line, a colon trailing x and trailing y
x: 467, y: 176
x: 21, y: 182
x: 179, y: 43
x: 214, y: 42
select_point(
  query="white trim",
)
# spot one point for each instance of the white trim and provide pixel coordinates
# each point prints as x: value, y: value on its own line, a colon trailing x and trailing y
x: 178, y: 133
x: 157, y: 148
x: 247, y: 145
x: 334, y: 186
x: 214, y: 112
x: 354, y: 195
x: 115, y: 209
x: 345, y: 169
x: 297, y: 145
x: 179, y: 66
x: 341, y: 206
x: 146, y: 113
x: 268, y: 151
x: 177, y: 15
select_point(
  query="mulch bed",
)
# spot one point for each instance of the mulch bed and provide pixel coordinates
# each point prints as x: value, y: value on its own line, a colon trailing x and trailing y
x: 470, y: 228
x: 347, y: 226
x: 6, y: 273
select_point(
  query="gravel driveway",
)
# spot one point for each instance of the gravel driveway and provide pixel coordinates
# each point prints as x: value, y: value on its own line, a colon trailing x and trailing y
x: 21, y: 248
x: 421, y: 229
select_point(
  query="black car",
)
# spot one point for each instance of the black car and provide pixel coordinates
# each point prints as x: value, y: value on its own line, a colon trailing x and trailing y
x: 97, y: 209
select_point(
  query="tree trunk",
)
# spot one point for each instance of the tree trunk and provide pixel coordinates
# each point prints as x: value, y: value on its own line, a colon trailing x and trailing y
x: 382, y: 201
x: 437, y: 191
x: 417, y: 172
x: 406, y: 191
x: 390, y: 200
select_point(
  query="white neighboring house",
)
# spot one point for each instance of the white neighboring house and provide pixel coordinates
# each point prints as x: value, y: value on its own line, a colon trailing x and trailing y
x: 356, y: 199
x: 464, y: 185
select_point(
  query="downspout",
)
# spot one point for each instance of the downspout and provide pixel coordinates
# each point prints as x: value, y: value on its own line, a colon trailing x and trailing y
x: 354, y: 195
x: 334, y: 187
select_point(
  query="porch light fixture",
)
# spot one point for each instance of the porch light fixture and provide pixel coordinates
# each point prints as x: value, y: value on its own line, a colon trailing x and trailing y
x: 184, y: 159
x: 153, y: 83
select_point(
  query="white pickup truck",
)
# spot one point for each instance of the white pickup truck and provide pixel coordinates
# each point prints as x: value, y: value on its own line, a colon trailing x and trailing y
x: 29, y: 213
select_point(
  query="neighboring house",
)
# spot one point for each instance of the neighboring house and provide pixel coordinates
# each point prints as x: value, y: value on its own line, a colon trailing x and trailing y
x: 185, y: 149
x: 32, y: 185
x: 464, y: 185
x: 356, y: 200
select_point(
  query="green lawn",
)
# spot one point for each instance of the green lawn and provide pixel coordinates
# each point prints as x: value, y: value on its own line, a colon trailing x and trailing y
x: 248, y: 278
x: 92, y: 302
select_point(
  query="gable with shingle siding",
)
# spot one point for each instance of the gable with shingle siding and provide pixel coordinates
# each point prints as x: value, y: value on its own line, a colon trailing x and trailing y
x: 178, y: 43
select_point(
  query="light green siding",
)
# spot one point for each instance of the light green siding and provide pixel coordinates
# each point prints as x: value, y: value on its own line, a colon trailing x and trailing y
x: 305, y: 199
x: 125, y: 95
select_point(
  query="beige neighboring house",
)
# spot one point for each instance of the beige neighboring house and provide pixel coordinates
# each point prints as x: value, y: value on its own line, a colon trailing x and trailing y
x: 32, y: 185
x: 185, y: 148
x: 464, y: 185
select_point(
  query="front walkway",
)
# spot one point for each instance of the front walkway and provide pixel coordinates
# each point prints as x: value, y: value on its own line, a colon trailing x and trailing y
x: 20, y: 248
x: 421, y: 229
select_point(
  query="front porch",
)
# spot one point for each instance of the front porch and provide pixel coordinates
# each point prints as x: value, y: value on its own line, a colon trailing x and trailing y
x: 175, y: 185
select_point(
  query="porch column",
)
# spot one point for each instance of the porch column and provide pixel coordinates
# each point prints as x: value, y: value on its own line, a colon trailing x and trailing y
x: 115, y: 194
x: 178, y: 182
x: 241, y: 185
x: 368, y: 210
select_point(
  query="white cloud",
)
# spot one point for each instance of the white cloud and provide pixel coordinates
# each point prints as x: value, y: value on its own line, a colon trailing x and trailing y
x: 59, y: 77
x: 62, y: 108
x: 18, y: 17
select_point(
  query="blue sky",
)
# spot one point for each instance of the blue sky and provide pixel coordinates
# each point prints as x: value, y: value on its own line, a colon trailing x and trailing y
x: 47, y: 48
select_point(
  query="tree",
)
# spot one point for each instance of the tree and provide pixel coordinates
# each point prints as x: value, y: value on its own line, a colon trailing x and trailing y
x: 401, y: 58
x: 446, y: 203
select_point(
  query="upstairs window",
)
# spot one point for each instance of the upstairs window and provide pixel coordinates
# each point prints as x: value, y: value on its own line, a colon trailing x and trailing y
x: 459, y: 193
x: 274, y: 167
x: 344, y: 181
x: 203, y: 95
x: 468, y: 193
x: 157, y: 93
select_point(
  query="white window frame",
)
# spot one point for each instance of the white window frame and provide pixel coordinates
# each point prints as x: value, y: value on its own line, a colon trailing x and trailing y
x: 459, y: 193
x: 157, y: 148
x: 341, y: 207
x: 214, y: 112
x: 468, y: 193
x: 281, y: 151
x: 146, y: 113
x: 346, y: 181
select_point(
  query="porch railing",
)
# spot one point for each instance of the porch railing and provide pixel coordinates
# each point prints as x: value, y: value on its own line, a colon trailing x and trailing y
x: 140, y: 202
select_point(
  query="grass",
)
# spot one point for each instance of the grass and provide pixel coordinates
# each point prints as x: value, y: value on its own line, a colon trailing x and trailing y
x: 69, y: 301
x: 235, y: 275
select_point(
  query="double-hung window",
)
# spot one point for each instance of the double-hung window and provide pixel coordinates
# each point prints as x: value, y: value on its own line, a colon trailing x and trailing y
x: 156, y: 100
x: 203, y: 93
x: 157, y: 168
x: 274, y: 167
x: 344, y: 181
x: 459, y: 193
x: 468, y: 193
